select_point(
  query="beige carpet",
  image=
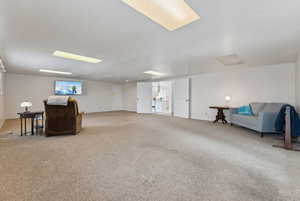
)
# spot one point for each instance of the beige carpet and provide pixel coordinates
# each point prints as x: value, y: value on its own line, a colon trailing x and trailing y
x: 123, y: 156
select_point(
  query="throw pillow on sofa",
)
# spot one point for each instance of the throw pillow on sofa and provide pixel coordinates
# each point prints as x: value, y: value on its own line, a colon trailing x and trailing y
x: 245, y: 110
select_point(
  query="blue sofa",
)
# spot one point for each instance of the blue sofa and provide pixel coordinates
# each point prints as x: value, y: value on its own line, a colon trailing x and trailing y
x: 262, y: 120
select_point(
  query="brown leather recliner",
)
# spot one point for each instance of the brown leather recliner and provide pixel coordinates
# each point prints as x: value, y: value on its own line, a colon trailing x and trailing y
x: 62, y: 120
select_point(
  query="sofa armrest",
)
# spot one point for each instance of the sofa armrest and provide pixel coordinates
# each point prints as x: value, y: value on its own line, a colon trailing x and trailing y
x: 79, y: 122
x: 267, y: 121
x: 234, y: 110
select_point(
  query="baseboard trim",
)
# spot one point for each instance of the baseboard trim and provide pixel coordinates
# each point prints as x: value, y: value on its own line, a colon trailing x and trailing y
x: 128, y: 111
x: 109, y: 112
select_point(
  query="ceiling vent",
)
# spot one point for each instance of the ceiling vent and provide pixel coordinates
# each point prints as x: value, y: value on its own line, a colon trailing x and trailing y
x: 230, y: 60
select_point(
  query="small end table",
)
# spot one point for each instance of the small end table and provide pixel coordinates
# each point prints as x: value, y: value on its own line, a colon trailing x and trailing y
x: 33, y: 116
x: 220, y: 116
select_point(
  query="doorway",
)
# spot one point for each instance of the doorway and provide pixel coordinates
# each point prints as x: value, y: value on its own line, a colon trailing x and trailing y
x: 162, y: 97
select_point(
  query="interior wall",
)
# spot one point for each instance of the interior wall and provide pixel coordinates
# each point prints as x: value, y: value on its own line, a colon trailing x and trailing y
x: 117, y: 98
x: 2, y: 98
x: 266, y: 84
x: 297, y: 82
x: 97, y: 96
x: 130, y: 97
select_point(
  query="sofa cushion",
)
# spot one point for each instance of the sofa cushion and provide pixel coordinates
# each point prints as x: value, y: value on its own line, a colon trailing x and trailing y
x: 272, y: 107
x: 245, y: 110
x: 257, y: 107
x: 247, y: 121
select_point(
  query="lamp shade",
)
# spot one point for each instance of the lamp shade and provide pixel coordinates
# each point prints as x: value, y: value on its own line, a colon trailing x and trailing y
x: 227, y: 98
x: 26, y: 104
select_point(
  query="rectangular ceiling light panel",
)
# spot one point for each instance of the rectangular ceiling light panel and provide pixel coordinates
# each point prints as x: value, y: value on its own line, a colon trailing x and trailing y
x: 150, y: 72
x: 77, y: 57
x: 55, y: 72
x: 171, y: 14
x: 230, y: 60
x: 2, y: 66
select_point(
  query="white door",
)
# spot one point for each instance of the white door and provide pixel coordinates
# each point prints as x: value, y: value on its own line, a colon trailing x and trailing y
x: 181, y: 98
x: 144, y: 97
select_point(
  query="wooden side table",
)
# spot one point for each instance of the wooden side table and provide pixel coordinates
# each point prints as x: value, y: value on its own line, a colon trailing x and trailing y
x: 220, y: 116
x: 30, y: 115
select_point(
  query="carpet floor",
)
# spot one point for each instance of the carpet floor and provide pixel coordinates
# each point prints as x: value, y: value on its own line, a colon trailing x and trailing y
x: 122, y: 156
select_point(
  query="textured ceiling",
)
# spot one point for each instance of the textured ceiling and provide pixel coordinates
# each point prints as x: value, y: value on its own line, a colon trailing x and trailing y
x: 261, y: 32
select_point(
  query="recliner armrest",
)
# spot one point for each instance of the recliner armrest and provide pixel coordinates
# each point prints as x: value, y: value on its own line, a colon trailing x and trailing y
x: 79, y: 122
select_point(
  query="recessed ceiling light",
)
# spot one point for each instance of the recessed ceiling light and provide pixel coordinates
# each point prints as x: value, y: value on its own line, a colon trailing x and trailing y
x: 150, y: 72
x: 171, y: 14
x: 77, y: 57
x: 232, y: 59
x: 126, y: 80
x: 55, y: 72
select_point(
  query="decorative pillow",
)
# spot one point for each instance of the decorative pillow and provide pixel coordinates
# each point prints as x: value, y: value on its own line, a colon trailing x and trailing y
x: 245, y: 110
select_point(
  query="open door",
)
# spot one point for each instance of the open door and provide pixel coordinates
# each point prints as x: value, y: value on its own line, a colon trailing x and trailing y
x: 162, y: 97
x: 144, y: 97
x: 181, y: 98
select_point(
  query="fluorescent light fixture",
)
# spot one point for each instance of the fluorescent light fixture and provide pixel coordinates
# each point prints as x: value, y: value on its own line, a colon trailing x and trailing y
x: 55, y: 72
x: 230, y: 60
x: 150, y: 72
x: 77, y: 57
x: 171, y: 14
x: 2, y: 66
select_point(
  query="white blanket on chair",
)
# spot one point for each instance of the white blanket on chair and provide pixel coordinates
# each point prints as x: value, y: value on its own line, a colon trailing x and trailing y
x: 58, y: 100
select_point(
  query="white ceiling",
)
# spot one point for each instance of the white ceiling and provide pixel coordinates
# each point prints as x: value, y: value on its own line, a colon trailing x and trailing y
x: 261, y: 32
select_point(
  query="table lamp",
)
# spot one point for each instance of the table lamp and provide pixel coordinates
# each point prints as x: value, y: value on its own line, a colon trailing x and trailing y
x: 227, y: 99
x: 26, y: 104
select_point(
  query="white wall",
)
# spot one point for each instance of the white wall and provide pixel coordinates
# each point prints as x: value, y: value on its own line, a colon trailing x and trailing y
x: 117, y: 98
x: 267, y: 84
x: 297, y: 82
x: 2, y: 98
x: 130, y: 97
x: 97, y: 96
x: 274, y: 83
